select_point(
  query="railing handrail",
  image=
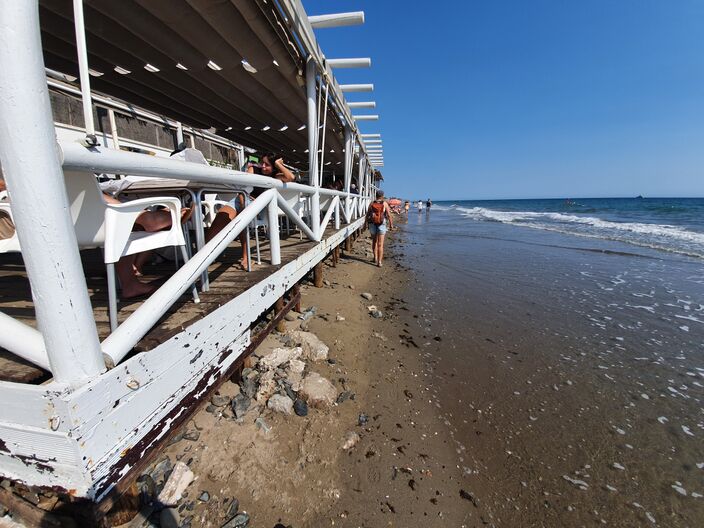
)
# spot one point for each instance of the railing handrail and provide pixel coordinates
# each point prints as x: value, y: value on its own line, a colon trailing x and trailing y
x: 106, y: 160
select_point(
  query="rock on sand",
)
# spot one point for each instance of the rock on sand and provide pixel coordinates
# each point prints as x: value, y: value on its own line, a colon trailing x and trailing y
x: 278, y: 357
x: 313, y: 348
x: 280, y: 404
x: 317, y: 391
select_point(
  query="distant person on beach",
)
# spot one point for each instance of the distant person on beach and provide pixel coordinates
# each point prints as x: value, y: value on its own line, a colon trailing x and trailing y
x: 407, y: 207
x: 377, y: 215
x: 420, y: 206
x: 428, y: 205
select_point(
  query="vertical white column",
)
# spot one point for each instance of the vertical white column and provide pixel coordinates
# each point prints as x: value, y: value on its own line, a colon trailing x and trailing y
x: 83, y: 73
x: 113, y: 129
x: 32, y: 169
x: 179, y: 134
x: 274, y: 241
x: 349, y: 159
x: 313, y: 147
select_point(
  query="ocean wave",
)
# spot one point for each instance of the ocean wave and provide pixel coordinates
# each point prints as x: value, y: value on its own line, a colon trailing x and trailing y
x: 658, y: 236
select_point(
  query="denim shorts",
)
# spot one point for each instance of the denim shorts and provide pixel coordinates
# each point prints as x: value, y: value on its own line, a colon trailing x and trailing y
x: 377, y: 229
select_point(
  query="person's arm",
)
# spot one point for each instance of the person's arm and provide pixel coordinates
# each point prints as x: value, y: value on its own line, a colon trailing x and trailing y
x: 250, y: 169
x: 387, y: 211
x: 369, y: 213
x: 284, y: 174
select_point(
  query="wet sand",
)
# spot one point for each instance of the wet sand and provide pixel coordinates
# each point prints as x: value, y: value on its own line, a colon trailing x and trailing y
x: 571, y: 372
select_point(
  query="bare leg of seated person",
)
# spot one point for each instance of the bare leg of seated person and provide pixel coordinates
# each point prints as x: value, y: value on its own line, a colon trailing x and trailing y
x: 225, y: 215
x: 130, y: 285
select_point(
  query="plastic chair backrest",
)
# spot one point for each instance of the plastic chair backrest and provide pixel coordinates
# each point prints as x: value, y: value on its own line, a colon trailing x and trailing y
x: 87, y: 208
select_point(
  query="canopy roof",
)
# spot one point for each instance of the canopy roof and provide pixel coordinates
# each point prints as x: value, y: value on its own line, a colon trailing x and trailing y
x: 232, y: 67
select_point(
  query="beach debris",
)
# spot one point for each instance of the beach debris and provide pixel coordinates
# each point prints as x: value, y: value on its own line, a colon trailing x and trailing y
x: 278, y: 357
x: 300, y: 407
x: 687, y: 430
x: 267, y: 386
x: 367, y: 296
x: 240, y: 405
x: 408, y: 394
x: 344, y: 396
x: 308, y: 313
x: 261, y: 424
x: 313, y: 348
x: 339, y: 318
x: 179, y: 480
x: 351, y: 440
x: 160, y: 470
x: 362, y: 419
x: 233, y: 508
x: 677, y: 486
x: 219, y: 400
x: 192, y: 435
x: 318, y: 391
x: 241, y: 520
x: 169, y: 518
x: 469, y: 497
x: 377, y: 314
x: 372, y: 308
x: 280, y: 404
x: 579, y: 483
x: 204, y: 496
x: 248, y: 386
x: 377, y: 335
x: 618, y: 466
x: 294, y: 374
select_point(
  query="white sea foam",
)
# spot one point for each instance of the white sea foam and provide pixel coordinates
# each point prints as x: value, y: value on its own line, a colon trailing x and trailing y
x: 656, y: 236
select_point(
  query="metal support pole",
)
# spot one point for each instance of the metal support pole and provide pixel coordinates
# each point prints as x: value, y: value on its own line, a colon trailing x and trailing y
x: 32, y: 169
x: 313, y: 146
x: 84, y: 75
x: 274, y: 241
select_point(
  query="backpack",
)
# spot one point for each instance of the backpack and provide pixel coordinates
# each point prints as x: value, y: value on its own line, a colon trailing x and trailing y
x: 377, y: 212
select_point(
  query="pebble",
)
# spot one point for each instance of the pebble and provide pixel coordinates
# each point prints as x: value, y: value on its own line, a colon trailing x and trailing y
x: 290, y: 317
x: 377, y: 314
x: 240, y: 405
x: 219, y: 400
x: 261, y: 424
x: 343, y: 397
x: 300, y: 407
x: 192, y: 435
x: 234, y: 507
x: 280, y: 404
x: 367, y: 296
x: 339, y: 318
x: 362, y: 419
x: 204, y: 497
x: 351, y: 440
x: 241, y: 520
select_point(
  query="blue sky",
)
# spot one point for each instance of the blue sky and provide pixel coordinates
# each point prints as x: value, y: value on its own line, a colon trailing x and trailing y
x: 524, y: 99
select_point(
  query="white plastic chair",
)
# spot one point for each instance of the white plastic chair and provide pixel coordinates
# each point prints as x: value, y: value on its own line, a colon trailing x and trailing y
x: 101, y: 224
x: 12, y: 244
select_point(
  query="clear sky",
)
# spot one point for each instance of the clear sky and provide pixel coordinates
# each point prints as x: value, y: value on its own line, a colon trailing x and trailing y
x: 531, y: 98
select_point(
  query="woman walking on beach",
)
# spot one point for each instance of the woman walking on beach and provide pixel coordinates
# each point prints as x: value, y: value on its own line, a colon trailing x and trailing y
x: 377, y: 214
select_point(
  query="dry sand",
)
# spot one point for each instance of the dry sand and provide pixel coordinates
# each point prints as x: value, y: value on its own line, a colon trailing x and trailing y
x: 403, y: 470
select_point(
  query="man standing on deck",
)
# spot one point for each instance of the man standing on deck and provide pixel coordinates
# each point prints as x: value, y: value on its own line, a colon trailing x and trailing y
x: 377, y: 215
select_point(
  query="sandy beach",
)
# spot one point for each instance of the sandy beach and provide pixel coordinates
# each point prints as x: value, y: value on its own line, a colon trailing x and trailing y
x: 401, y: 465
x: 505, y: 382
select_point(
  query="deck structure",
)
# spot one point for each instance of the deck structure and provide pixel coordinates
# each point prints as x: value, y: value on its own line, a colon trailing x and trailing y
x: 83, y: 405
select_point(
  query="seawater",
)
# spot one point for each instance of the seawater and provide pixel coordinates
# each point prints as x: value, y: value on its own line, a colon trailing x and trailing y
x: 667, y: 224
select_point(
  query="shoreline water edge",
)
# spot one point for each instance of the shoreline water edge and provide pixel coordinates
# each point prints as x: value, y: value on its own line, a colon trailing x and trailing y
x: 488, y: 375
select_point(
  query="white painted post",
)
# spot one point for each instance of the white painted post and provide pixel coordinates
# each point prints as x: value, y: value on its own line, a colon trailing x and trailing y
x: 274, y: 242
x: 337, y: 214
x: 113, y: 129
x: 349, y: 158
x: 32, y: 169
x: 83, y: 70
x: 179, y: 135
x: 313, y: 147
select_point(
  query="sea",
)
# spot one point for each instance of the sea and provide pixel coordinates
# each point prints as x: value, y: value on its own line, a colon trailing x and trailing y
x: 668, y: 224
x: 564, y: 342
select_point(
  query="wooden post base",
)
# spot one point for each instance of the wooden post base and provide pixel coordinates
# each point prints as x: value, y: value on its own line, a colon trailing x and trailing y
x: 318, y: 275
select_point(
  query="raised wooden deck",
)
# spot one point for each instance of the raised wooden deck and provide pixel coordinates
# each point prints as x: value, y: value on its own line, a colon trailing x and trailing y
x: 227, y: 281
